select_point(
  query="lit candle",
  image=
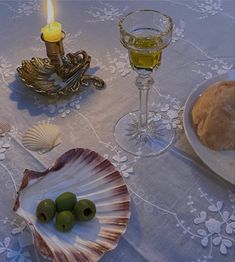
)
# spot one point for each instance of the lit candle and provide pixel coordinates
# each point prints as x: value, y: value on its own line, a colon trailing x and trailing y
x: 52, y: 31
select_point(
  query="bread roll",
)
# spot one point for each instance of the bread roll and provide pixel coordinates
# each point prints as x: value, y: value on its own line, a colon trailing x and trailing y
x: 214, y: 116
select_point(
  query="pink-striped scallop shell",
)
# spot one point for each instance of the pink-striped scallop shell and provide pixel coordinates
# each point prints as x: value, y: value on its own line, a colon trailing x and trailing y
x: 88, y: 175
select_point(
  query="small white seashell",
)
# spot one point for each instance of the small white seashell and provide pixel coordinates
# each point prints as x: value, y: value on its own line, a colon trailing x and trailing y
x: 4, y: 128
x: 42, y: 138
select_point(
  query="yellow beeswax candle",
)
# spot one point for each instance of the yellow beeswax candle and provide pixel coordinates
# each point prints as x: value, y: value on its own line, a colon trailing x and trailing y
x: 52, y: 31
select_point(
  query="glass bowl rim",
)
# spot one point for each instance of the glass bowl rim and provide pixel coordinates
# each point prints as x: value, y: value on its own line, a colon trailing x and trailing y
x: 167, y: 31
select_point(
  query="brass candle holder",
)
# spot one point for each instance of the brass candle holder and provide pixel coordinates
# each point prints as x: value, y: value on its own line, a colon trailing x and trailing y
x: 59, y: 74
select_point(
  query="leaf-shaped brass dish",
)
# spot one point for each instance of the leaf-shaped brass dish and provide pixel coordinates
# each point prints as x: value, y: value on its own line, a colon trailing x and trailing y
x: 43, y: 77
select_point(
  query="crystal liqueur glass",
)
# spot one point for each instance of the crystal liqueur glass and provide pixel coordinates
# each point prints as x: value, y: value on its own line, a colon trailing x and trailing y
x: 145, y: 33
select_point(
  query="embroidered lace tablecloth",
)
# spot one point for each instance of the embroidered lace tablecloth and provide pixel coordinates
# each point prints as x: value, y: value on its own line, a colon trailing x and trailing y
x: 181, y: 211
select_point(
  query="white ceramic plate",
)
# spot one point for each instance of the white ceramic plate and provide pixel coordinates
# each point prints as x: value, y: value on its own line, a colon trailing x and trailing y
x: 222, y: 163
x: 88, y: 175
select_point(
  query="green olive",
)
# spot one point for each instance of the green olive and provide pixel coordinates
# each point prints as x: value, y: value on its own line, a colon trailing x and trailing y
x: 65, y: 201
x: 46, y: 210
x: 84, y: 210
x: 65, y: 221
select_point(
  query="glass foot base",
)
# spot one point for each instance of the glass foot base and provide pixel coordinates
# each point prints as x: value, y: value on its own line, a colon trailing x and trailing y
x: 152, y: 141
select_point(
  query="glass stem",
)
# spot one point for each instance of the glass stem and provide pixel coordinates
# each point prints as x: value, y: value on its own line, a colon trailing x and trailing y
x: 144, y: 83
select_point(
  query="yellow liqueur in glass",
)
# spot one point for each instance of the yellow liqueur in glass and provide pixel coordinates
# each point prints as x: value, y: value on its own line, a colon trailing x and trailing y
x: 148, y: 56
x: 144, y: 33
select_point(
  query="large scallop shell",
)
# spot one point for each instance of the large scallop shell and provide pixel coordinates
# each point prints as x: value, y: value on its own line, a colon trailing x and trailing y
x: 42, y: 137
x: 88, y: 175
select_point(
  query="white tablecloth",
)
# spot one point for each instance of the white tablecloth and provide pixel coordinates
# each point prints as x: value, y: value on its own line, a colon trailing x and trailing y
x: 181, y: 211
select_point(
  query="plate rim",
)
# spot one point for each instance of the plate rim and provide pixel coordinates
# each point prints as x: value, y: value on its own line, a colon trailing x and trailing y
x: 200, y: 87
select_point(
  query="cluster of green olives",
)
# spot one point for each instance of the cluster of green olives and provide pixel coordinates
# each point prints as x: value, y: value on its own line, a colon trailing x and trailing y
x: 68, y: 210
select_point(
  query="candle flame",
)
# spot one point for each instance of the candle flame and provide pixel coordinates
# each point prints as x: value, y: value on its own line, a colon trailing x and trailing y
x: 50, y: 12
